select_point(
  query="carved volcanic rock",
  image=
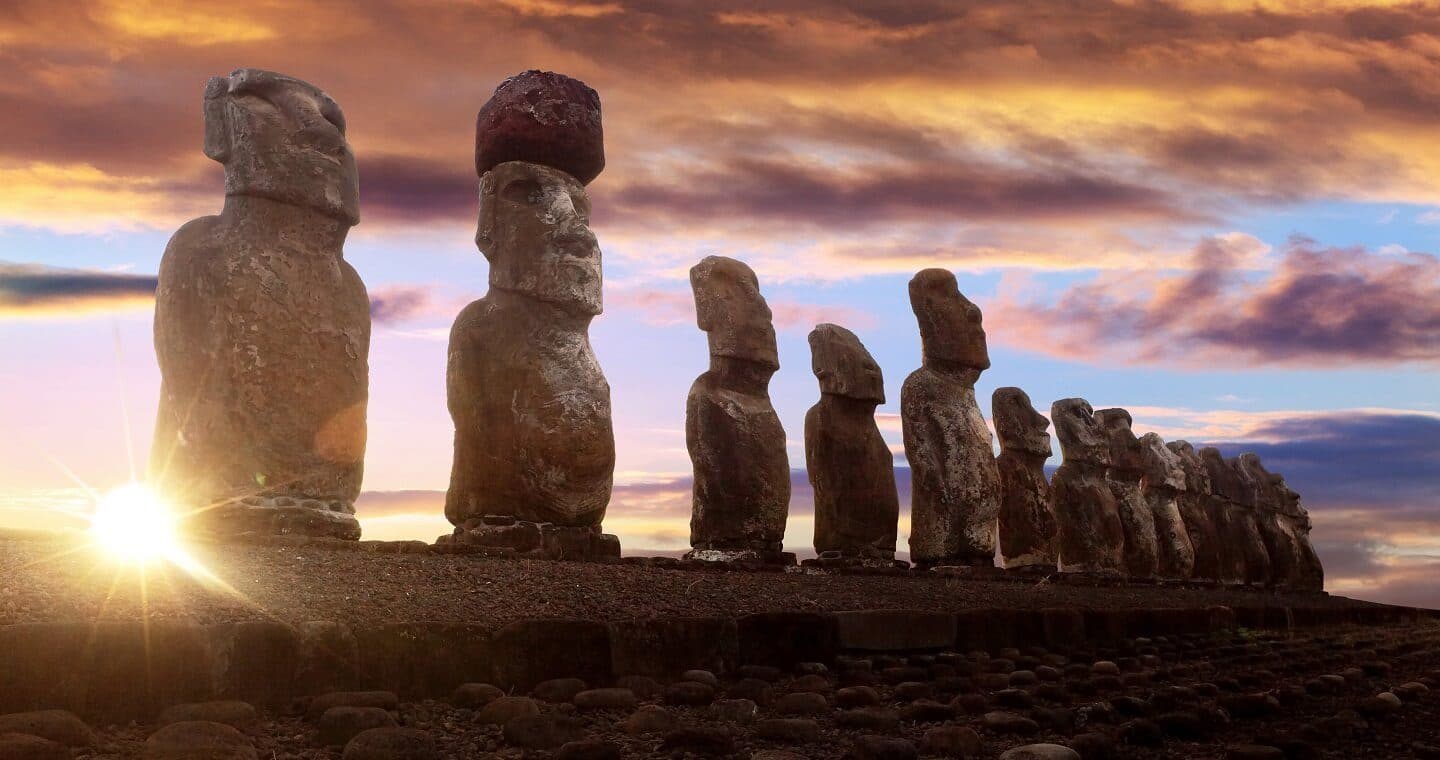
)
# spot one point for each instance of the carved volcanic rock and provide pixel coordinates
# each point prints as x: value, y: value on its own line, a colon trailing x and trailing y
x: 543, y: 118
x: 1161, y: 486
x: 533, y: 437
x: 1127, y: 465
x: 1092, y: 539
x: 262, y: 330
x: 1028, y: 530
x: 850, y: 467
x: 1244, y: 559
x: 736, y: 442
x: 1308, y: 574
x: 955, y: 497
x: 1195, y: 511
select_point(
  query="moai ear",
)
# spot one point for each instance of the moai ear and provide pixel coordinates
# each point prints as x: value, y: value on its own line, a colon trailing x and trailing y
x: 217, y: 120
x: 485, y: 228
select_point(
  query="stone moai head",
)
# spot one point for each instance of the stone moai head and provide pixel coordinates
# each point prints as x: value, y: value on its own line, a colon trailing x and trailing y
x: 1125, y: 452
x: 1287, y: 501
x: 535, y: 231
x: 1018, y: 426
x: 1197, y: 478
x: 1246, y: 482
x: 282, y: 139
x: 1163, y: 467
x: 1082, y: 438
x: 731, y: 311
x: 843, y: 366
x: 1224, y: 479
x: 951, y: 334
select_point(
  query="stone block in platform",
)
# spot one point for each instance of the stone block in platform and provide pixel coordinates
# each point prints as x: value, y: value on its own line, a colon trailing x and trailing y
x: 417, y: 660
x: 527, y: 652
x: 329, y: 658
x: 1063, y: 627
x: 895, y: 630
x: 781, y: 639
x: 740, y: 558
x: 666, y: 648
x: 105, y: 672
x: 255, y: 662
x: 538, y: 540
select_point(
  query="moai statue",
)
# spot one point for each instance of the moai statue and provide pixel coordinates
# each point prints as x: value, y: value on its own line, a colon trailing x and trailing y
x: 1127, y: 465
x: 1195, y: 510
x: 534, y: 448
x: 1027, y: 524
x: 736, y: 442
x: 1092, y: 538
x: 1245, y: 559
x: 262, y: 330
x: 1308, y: 573
x: 1275, y: 517
x: 851, y: 468
x: 955, y: 497
x: 1161, y: 485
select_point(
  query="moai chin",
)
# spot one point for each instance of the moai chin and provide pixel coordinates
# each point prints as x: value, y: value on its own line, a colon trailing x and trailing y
x: 1244, y: 559
x: 534, y: 445
x: 1127, y: 465
x: 1091, y: 537
x: 1161, y: 486
x: 262, y: 330
x: 955, y: 497
x: 1196, y: 512
x: 1027, y: 523
x: 734, y: 436
x: 850, y: 467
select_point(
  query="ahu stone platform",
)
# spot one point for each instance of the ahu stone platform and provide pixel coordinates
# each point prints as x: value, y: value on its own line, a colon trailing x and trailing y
x: 302, y: 618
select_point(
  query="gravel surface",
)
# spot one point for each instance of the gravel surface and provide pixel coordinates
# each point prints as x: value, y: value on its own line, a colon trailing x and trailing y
x: 58, y: 579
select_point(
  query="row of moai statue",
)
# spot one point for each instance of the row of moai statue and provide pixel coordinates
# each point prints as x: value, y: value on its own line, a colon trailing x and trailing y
x: 262, y: 333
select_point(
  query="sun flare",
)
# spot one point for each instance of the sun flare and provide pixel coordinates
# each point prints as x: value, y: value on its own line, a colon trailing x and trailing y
x: 134, y: 524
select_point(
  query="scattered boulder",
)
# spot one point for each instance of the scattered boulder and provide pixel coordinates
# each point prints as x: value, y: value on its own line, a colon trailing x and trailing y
x: 542, y: 731
x: 505, y: 709
x: 1040, y: 752
x: 59, y: 726
x: 28, y: 747
x: 198, y: 740
x: 231, y: 712
x: 338, y: 725
x: 951, y: 741
x: 391, y: 744
x: 385, y: 700
x: 473, y: 696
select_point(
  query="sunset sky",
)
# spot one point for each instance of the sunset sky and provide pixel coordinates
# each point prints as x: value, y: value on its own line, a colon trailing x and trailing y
x: 1220, y: 215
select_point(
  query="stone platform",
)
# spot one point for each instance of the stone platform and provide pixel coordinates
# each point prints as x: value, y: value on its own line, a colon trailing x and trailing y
x: 299, y: 619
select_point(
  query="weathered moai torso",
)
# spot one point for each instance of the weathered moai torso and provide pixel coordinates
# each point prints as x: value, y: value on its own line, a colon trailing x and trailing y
x: 533, y: 435
x: 262, y: 330
x: 1161, y: 485
x: 851, y: 468
x: 1276, y: 529
x: 1245, y: 559
x: 1127, y: 465
x: 1308, y: 574
x: 1195, y: 510
x: 736, y: 442
x: 955, y: 496
x: 1027, y: 523
x: 1091, y: 537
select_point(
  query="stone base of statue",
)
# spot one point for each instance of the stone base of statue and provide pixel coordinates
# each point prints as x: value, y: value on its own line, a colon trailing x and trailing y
x: 277, y: 516
x: 531, y: 540
x: 768, y: 555
x: 848, y: 560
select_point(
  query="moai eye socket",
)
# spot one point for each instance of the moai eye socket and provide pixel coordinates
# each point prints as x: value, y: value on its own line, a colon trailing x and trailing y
x: 522, y: 191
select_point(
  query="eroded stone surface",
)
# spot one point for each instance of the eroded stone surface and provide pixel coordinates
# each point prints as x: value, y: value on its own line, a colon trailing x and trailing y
x: 1127, y: 465
x: 544, y: 118
x: 1028, y: 530
x: 1243, y: 556
x: 531, y: 406
x: 849, y: 464
x: 1092, y: 539
x: 262, y: 330
x: 955, y: 499
x: 1195, y: 506
x: 1285, y: 529
x: 734, y: 436
x: 1160, y: 486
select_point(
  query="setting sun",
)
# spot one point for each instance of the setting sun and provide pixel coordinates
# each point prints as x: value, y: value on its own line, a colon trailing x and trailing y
x: 133, y: 523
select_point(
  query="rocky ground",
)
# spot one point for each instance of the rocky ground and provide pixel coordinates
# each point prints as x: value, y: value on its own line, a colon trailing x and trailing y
x: 60, y: 579
x: 1351, y: 692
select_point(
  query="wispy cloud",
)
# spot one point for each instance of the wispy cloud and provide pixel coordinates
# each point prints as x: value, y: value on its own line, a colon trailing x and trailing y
x: 39, y: 290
